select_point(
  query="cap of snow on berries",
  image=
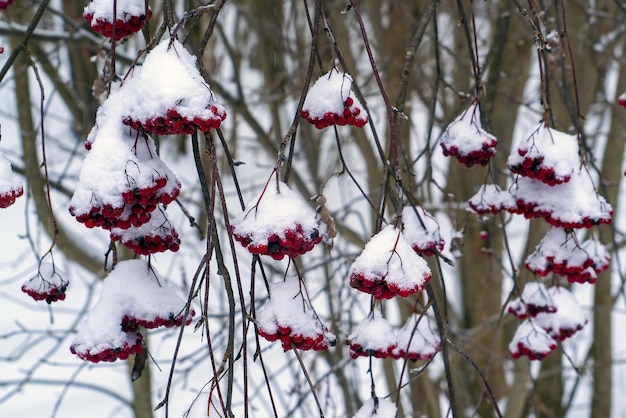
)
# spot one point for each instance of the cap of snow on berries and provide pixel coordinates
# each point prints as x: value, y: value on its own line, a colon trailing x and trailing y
x: 547, y: 155
x: 330, y: 101
x: 534, y: 300
x: 416, y: 339
x: 128, y: 16
x: 168, y: 94
x: 532, y: 341
x: 132, y: 295
x: 568, y: 319
x: 575, y: 204
x: 491, y: 199
x: 287, y: 316
x: 372, y: 337
x: 48, y: 284
x: 157, y: 235
x: 277, y: 222
x: 421, y: 231
x: 10, y: 184
x: 377, y: 408
x: 389, y: 267
x: 466, y: 140
x: 122, y: 179
x: 560, y: 252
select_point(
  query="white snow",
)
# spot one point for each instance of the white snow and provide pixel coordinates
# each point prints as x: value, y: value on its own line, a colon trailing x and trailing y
x: 535, y: 298
x: 373, y: 334
x: 287, y: 307
x: 466, y: 132
x: 135, y: 290
x: 168, y: 79
x: 103, y: 9
x: 557, y: 150
x: 424, y: 234
x: 328, y: 94
x: 490, y: 198
x: 419, y: 332
x: 388, y: 256
x: 379, y: 408
x: 531, y: 337
x: 119, y: 160
x: 568, y: 318
x: 598, y: 253
x: 9, y: 181
x: 274, y: 212
x: 557, y: 247
x: 569, y: 202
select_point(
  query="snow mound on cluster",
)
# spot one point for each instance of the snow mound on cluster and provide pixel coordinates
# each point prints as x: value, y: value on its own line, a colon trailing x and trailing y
x: 532, y: 341
x: 534, y: 300
x: 127, y: 16
x: 568, y: 319
x: 466, y: 139
x: 416, y: 340
x: 331, y: 101
x: 388, y: 266
x: 168, y: 81
x: 289, y: 317
x: 377, y: 408
x: 421, y: 231
x: 491, y: 199
x: 547, y: 155
x: 575, y: 204
x: 132, y: 295
x: 277, y: 222
x: 372, y: 337
x: 103, y: 9
x: 560, y: 252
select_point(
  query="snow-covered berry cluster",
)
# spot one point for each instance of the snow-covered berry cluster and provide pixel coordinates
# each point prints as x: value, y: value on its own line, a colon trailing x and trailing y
x: 5, y: 3
x: 126, y: 16
x: 389, y: 267
x: 467, y: 141
x: 288, y: 317
x: 132, y: 295
x: 416, y: 340
x: 277, y: 223
x: 330, y: 101
x: 550, y: 315
x: 531, y: 341
x: 534, y: 300
x: 156, y: 235
x: 559, y: 252
x: 48, y: 284
x: 491, y: 199
x: 10, y: 184
x: 372, y: 337
x: 375, y: 337
x: 421, y: 231
x: 568, y: 319
x: 172, y: 97
x: 547, y: 155
x: 575, y: 204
